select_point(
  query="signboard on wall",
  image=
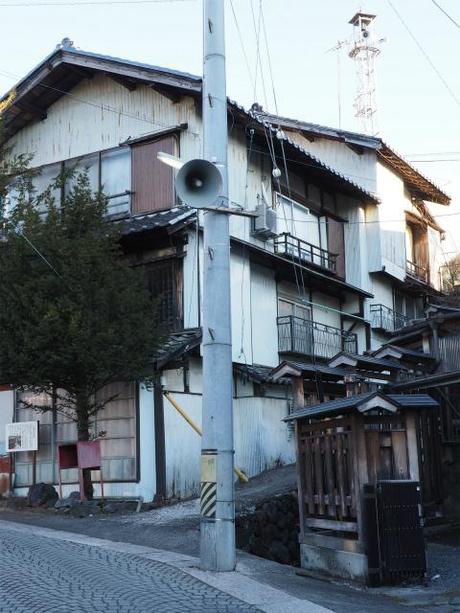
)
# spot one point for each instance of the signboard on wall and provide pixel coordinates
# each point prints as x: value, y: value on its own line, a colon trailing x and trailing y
x: 21, y: 436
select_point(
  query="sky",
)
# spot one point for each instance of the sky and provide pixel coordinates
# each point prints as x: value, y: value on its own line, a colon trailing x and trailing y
x: 418, y: 105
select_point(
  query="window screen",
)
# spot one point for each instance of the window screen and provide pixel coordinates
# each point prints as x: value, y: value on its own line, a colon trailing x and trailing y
x: 165, y: 285
x: 116, y: 179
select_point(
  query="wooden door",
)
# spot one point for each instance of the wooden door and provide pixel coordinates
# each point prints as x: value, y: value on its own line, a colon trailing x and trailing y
x: 152, y: 180
x: 336, y: 244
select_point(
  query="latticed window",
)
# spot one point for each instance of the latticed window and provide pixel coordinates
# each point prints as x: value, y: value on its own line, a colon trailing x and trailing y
x: 164, y: 280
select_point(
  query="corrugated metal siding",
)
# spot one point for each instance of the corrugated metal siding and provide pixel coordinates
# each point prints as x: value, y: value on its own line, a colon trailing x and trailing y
x: 449, y: 352
x: 263, y: 316
x: 151, y: 180
x: 99, y: 115
x: 183, y: 447
x: 262, y: 439
x: 240, y: 269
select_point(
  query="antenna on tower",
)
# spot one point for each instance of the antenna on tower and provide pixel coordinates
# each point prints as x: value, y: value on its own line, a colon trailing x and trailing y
x: 364, y: 51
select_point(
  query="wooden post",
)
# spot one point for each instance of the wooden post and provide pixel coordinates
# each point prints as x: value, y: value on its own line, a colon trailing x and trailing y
x: 299, y: 392
x: 34, y: 468
x: 300, y: 481
x: 361, y: 475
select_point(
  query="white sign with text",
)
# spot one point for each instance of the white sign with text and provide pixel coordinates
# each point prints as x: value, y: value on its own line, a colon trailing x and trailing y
x: 22, y: 436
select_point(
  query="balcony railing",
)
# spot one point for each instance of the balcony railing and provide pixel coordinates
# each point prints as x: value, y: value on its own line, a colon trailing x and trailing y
x: 417, y: 272
x: 306, y: 337
x: 384, y: 318
x: 300, y: 251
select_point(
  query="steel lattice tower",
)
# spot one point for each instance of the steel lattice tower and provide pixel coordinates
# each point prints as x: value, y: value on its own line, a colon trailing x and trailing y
x: 365, y: 49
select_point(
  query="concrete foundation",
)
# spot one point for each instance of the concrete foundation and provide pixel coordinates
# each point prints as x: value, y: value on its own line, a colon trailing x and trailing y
x: 347, y: 562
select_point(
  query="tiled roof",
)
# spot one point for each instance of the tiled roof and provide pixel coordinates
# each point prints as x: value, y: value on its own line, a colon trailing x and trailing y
x: 176, y: 345
x: 162, y: 219
x: 368, y: 362
x: 350, y: 402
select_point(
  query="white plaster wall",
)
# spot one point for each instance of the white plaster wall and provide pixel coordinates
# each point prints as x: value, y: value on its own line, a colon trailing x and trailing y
x: 6, y: 415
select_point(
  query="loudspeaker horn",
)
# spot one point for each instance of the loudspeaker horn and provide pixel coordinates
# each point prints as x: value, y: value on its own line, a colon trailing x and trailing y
x: 199, y: 183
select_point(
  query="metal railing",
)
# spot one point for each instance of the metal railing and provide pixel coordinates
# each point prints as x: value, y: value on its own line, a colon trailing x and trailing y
x: 417, y: 272
x: 295, y: 248
x: 384, y: 318
x: 306, y: 337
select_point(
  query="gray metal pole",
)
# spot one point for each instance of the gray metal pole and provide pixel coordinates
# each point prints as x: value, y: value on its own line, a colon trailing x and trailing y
x: 217, y: 487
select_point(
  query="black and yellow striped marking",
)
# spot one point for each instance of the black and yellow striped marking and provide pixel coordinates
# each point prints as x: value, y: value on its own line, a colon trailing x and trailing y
x: 208, y: 499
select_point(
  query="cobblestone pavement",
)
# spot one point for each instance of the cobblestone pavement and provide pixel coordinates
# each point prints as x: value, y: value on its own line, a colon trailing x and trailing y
x: 43, y: 575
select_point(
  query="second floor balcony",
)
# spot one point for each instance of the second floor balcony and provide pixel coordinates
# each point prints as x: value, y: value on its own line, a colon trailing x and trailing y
x: 298, y: 250
x: 310, y: 338
x: 385, y: 319
x: 419, y: 273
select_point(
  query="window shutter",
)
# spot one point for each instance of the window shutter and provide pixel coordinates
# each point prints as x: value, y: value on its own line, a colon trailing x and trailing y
x: 152, y: 180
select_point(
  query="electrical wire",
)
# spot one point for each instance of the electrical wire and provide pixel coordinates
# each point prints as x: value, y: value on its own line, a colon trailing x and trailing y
x: 425, y: 54
x: 267, y: 47
x: 446, y: 14
x: 243, y: 48
x: 76, y: 3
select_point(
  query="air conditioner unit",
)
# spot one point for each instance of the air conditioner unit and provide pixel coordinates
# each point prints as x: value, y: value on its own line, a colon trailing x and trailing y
x: 265, y: 222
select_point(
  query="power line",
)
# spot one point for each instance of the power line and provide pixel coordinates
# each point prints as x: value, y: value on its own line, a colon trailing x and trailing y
x: 87, y: 3
x: 446, y: 14
x: 368, y: 223
x: 425, y: 54
x: 435, y: 160
x: 243, y: 48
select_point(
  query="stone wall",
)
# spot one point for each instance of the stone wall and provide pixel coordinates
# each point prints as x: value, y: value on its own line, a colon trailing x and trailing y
x: 271, y: 530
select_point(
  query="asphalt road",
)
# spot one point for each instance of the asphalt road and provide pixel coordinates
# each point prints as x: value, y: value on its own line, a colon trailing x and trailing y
x: 39, y: 575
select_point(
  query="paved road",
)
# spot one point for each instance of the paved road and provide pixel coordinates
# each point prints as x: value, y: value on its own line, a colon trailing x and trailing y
x: 43, y: 575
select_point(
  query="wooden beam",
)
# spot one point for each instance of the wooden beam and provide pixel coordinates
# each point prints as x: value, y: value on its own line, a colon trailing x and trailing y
x: 83, y: 73
x: 331, y: 524
x: 129, y: 84
x: 34, y: 110
x: 167, y: 92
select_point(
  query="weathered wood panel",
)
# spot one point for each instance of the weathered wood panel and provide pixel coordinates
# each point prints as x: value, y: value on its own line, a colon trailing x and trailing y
x: 152, y: 180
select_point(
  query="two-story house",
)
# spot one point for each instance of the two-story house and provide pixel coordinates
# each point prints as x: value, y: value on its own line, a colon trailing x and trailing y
x: 301, y: 287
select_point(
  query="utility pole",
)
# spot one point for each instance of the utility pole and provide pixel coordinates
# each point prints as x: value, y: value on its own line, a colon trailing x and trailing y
x: 217, y: 546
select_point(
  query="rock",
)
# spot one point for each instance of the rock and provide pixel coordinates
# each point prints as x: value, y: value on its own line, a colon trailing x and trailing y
x: 41, y: 494
x: 67, y: 503
x: 75, y: 495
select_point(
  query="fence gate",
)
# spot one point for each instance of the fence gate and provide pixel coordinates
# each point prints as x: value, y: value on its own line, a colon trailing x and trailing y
x: 395, y: 540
